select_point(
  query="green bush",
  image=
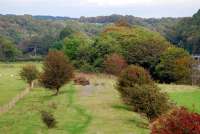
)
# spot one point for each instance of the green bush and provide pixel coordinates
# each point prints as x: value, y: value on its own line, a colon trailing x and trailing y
x: 138, y: 90
x: 48, y: 119
x: 175, y: 66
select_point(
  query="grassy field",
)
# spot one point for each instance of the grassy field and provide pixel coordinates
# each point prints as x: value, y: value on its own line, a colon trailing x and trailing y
x: 10, y: 82
x: 182, y: 95
x: 93, y: 109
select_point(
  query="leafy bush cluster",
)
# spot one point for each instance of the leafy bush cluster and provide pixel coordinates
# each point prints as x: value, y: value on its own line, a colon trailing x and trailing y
x: 8, y: 50
x: 137, y: 45
x: 48, y: 119
x: 175, y: 66
x: 114, y: 64
x: 138, y: 90
x: 178, y: 121
x: 29, y: 73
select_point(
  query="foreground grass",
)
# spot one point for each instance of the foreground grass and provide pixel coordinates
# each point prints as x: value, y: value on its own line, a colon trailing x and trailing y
x: 110, y: 116
x: 93, y: 109
x: 10, y: 82
x: 25, y: 118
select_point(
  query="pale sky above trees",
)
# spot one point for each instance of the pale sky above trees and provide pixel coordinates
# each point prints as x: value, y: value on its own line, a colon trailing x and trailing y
x: 77, y: 8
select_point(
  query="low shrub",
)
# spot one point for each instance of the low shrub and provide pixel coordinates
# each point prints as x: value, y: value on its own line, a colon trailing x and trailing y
x: 48, y: 119
x: 138, y: 90
x: 133, y: 75
x: 114, y: 64
x: 29, y: 73
x: 178, y: 121
x: 147, y: 99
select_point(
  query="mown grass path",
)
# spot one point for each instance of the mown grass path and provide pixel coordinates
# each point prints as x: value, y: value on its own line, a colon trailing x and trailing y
x: 71, y: 116
x: 78, y: 126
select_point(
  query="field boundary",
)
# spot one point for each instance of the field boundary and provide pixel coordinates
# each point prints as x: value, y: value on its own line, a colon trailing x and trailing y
x: 6, y: 107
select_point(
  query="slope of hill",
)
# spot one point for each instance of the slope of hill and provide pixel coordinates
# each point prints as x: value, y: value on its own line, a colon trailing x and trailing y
x: 161, y: 25
x: 183, y: 32
x: 26, y: 26
x: 30, y: 32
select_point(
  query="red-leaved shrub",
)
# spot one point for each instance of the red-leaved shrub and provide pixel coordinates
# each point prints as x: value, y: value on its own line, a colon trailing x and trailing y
x: 178, y: 121
x: 57, y: 71
x: 114, y: 64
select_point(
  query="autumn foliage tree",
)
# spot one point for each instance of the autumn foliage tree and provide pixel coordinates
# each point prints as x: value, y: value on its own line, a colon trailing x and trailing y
x: 138, y: 90
x: 175, y: 66
x: 114, y: 64
x: 178, y: 121
x: 29, y: 73
x: 57, y: 71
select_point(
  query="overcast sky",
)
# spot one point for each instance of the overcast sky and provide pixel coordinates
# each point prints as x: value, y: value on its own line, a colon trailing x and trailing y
x: 77, y: 8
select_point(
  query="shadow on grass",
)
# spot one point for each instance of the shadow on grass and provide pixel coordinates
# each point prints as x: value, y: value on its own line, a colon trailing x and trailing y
x: 140, y: 123
x: 50, y: 96
x: 47, y: 97
x: 66, y: 92
x: 121, y: 107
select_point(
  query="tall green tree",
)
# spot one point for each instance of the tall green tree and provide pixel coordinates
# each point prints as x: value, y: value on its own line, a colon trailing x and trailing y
x: 8, y: 50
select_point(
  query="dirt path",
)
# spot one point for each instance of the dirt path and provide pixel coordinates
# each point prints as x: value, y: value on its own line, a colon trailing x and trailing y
x: 87, y: 90
x: 5, y: 108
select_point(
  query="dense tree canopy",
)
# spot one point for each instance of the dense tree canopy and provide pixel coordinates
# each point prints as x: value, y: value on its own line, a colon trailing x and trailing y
x: 8, y: 50
x: 138, y: 45
x: 175, y: 66
x: 186, y: 33
x: 87, y: 45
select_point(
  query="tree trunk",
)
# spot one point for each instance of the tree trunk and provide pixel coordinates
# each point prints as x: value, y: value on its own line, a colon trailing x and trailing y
x: 57, y: 91
x: 31, y: 84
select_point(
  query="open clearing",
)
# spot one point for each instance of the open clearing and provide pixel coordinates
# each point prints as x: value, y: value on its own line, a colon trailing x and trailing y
x: 93, y: 109
x: 10, y: 83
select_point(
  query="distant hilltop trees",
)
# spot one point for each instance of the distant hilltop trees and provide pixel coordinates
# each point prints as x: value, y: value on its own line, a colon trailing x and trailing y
x: 35, y: 35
